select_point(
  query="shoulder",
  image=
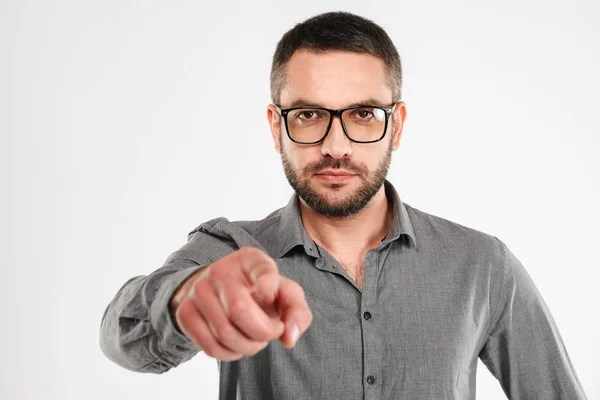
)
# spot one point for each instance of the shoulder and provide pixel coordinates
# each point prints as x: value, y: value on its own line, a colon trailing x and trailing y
x: 471, y: 253
x: 223, y: 228
x: 451, y: 238
x: 220, y: 236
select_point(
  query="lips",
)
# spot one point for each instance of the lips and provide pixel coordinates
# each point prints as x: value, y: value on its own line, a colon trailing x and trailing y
x: 335, y: 176
x: 336, y: 172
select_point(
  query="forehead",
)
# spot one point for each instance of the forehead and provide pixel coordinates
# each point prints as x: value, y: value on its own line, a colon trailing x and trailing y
x: 335, y: 78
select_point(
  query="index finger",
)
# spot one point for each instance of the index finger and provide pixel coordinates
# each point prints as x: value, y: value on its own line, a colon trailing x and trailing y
x: 294, y: 311
x: 262, y: 273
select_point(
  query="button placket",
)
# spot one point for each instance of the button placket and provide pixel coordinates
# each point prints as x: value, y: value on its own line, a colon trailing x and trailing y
x: 371, y: 345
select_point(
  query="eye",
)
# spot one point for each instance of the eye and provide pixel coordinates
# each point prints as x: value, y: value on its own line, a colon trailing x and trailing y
x: 307, y: 114
x: 368, y: 114
x: 364, y: 114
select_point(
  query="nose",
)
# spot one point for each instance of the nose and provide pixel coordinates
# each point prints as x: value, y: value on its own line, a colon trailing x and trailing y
x: 336, y: 144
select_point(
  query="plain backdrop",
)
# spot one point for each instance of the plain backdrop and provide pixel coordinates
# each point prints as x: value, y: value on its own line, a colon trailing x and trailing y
x: 125, y: 124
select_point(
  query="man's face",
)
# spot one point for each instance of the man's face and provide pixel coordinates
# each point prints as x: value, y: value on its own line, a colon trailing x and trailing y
x: 336, y: 177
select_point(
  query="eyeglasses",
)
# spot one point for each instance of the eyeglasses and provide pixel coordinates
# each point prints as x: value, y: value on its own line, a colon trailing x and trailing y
x: 361, y: 124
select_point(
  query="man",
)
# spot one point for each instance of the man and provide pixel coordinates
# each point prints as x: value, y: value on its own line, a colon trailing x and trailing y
x: 347, y: 292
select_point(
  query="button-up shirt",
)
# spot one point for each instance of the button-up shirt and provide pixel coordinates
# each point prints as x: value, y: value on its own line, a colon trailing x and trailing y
x: 436, y: 297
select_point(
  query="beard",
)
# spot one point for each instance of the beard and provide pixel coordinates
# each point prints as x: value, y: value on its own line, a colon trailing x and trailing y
x: 354, y: 202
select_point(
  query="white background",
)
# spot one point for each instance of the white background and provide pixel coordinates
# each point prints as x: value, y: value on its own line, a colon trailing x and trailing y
x: 125, y: 124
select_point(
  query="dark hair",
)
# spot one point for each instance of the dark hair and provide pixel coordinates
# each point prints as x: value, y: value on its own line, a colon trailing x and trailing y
x: 336, y: 31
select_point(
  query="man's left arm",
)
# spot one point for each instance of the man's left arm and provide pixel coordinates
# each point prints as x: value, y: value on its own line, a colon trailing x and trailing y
x: 523, y: 348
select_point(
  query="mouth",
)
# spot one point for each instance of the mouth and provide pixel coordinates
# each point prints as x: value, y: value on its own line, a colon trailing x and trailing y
x: 335, y: 172
x: 335, y: 176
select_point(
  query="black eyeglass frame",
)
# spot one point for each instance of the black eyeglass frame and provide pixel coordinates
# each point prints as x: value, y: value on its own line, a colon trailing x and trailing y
x: 284, y: 112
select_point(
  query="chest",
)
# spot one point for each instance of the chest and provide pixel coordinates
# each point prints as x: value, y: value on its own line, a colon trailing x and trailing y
x: 411, y: 323
x: 353, y: 264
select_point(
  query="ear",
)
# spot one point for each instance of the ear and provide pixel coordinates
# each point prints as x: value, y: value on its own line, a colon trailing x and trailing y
x: 399, y: 119
x: 274, y: 119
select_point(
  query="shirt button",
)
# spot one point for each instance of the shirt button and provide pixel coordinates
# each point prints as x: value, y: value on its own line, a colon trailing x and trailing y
x: 370, y: 379
x: 367, y: 315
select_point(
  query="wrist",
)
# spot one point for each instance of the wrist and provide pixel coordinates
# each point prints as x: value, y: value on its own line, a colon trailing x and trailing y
x: 184, y: 288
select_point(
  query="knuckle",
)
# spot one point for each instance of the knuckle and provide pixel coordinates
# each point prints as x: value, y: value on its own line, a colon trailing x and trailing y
x: 198, y: 288
x: 216, y: 271
x: 270, y: 261
x: 238, y: 308
x: 272, y: 265
x: 225, y: 333
x: 264, y: 335
x: 261, y: 333
x: 210, y: 351
x: 267, y: 282
x: 295, y: 287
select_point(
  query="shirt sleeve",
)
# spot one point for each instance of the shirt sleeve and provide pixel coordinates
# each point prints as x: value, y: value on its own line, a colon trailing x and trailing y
x: 138, y: 331
x: 524, y: 349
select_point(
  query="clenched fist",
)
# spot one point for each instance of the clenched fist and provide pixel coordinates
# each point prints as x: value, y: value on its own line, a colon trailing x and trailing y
x: 235, y: 306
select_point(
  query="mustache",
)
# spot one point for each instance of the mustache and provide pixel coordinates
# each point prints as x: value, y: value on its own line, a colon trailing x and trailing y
x: 330, y: 163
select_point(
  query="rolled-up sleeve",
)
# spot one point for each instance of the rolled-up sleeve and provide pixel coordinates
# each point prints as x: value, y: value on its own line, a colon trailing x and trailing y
x: 524, y: 349
x: 137, y: 330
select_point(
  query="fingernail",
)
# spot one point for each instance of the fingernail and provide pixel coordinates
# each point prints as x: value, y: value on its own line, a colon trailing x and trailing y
x: 280, y: 329
x: 294, y: 333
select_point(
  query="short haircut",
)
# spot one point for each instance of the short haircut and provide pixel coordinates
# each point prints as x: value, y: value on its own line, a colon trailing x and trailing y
x: 336, y: 31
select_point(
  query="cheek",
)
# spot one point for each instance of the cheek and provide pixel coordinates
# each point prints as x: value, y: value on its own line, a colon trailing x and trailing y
x: 370, y: 157
x: 301, y: 157
x: 291, y: 157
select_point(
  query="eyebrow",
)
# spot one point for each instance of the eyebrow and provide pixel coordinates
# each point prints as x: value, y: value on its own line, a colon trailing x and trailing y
x: 366, y: 102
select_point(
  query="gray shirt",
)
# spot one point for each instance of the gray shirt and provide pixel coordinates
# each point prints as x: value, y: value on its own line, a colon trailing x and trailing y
x: 436, y: 297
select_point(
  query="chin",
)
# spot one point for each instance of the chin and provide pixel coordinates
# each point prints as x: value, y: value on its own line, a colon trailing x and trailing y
x: 336, y: 194
x: 329, y: 189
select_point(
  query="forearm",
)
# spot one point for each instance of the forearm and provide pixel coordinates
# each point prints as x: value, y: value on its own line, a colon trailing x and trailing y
x: 137, y: 330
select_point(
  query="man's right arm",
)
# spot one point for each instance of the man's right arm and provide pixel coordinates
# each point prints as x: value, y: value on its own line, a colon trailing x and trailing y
x: 241, y: 305
x: 138, y: 331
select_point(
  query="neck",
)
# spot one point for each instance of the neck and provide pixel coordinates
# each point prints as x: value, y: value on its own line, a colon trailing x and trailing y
x: 361, y: 231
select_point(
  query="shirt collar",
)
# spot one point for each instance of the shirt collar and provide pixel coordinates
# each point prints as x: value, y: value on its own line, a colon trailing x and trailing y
x: 291, y: 232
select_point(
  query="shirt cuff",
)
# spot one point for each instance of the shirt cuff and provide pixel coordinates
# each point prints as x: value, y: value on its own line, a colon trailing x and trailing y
x: 172, y: 341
